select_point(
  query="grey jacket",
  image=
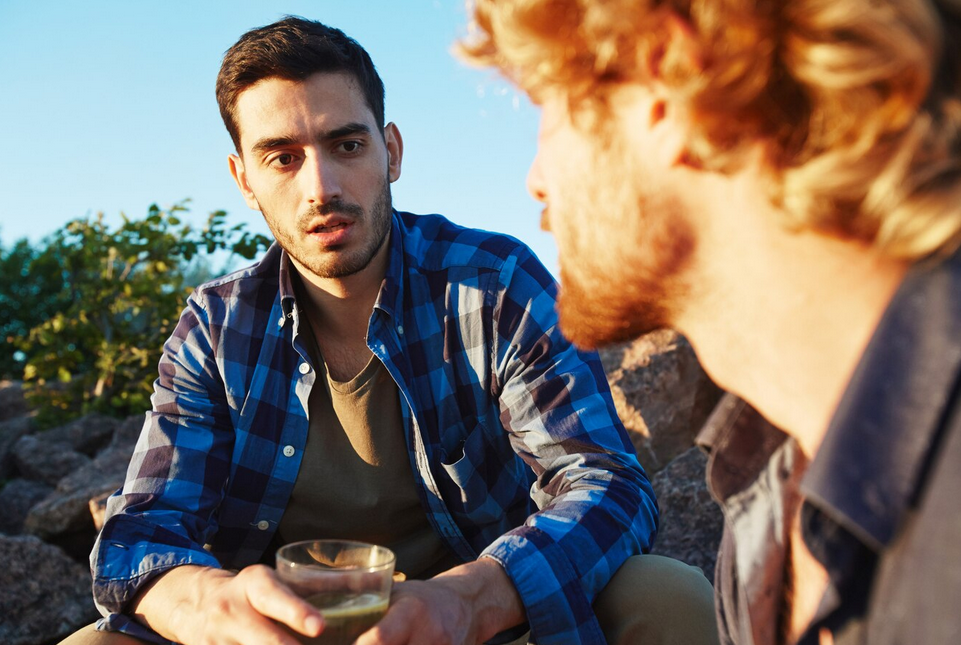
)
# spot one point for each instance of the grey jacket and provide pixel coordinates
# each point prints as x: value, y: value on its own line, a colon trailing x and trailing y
x: 880, y: 502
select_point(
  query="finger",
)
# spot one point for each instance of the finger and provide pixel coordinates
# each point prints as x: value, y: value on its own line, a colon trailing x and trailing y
x: 261, y: 631
x: 273, y: 599
x: 395, y: 628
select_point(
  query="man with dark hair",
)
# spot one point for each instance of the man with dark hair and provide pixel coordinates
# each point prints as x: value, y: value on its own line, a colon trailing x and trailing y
x: 780, y: 180
x: 383, y: 377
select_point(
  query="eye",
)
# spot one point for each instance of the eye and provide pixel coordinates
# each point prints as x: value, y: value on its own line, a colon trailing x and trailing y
x: 351, y: 147
x: 284, y: 159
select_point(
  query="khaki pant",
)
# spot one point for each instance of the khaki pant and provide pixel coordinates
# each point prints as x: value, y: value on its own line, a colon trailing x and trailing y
x: 651, y: 600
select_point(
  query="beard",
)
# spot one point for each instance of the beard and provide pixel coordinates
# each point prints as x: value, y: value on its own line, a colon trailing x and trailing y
x: 623, y: 267
x: 619, y: 296
x: 339, y: 264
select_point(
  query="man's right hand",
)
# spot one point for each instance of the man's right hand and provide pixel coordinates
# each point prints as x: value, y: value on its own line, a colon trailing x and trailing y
x: 196, y: 605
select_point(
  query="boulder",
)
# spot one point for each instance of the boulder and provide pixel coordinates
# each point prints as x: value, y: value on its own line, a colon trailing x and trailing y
x: 16, y: 500
x: 128, y: 431
x: 67, y: 509
x: 12, y: 402
x: 87, y: 435
x: 10, y: 433
x: 661, y: 394
x: 44, y: 595
x: 691, y: 521
x: 37, y: 457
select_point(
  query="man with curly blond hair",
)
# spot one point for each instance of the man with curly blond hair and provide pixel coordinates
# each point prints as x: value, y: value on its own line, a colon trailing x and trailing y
x: 780, y: 181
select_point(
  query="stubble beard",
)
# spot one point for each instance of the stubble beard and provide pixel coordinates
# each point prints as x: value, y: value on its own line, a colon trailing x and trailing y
x: 330, y: 264
x: 636, y: 283
x: 601, y: 305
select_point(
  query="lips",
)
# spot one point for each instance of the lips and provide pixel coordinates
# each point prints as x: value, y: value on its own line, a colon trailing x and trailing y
x: 330, y: 232
x: 545, y: 221
x: 329, y: 228
x: 328, y: 224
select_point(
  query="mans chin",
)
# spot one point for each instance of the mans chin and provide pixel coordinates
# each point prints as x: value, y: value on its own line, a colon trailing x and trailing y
x: 594, y: 320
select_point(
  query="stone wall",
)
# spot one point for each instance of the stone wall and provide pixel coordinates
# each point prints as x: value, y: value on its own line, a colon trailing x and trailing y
x: 55, y: 483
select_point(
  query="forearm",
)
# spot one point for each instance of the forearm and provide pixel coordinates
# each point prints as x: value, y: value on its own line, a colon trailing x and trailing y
x: 170, y: 603
x: 489, y: 592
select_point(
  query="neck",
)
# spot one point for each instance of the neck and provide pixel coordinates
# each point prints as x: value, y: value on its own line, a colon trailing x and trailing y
x: 340, y: 308
x: 782, y: 318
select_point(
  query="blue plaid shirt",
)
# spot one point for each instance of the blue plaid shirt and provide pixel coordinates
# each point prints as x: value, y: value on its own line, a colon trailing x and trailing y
x: 512, y: 435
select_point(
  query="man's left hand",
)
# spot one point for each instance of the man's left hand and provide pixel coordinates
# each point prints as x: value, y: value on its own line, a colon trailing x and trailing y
x: 468, y: 604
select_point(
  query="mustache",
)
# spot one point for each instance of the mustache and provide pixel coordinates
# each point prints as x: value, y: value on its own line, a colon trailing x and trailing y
x: 335, y: 207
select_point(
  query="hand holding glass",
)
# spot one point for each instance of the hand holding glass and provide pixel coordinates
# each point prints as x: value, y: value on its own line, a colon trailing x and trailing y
x: 349, y: 582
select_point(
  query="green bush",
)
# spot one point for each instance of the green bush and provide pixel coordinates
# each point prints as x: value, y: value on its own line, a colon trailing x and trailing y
x: 85, y: 314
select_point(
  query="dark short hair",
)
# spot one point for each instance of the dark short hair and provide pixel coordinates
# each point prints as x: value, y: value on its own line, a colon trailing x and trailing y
x: 294, y: 49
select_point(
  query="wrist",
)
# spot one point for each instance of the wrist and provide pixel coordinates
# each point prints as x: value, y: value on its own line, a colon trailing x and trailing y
x: 488, y: 593
x: 170, y: 603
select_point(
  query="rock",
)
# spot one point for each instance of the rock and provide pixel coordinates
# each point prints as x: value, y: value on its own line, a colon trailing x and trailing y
x: 661, y: 394
x: 10, y: 433
x: 16, y: 499
x: 87, y: 435
x: 128, y: 431
x: 67, y: 508
x: 691, y: 521
x: 44, y: 595
x: 37, y: 457
x: 12, y: 402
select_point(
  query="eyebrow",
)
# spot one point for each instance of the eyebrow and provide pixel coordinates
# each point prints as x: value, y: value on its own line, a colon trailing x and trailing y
x: 350, y: 129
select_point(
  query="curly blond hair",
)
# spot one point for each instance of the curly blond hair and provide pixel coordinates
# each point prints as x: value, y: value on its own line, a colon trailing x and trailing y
x: 857, y: 101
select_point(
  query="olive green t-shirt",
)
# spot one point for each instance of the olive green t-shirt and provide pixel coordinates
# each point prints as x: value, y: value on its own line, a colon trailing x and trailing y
x: 355, y: 480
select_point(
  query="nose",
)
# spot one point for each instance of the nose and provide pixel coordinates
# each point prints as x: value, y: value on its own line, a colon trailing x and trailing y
x: 535, y: 180
x: 321, y: 180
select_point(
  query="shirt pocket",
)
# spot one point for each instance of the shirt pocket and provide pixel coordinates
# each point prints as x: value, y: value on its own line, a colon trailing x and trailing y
x: 482, y: 476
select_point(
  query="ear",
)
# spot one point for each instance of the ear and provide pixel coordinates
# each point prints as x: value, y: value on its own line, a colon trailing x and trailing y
x: 395, y: 151
x: 669, y: 129
x: 239, y: 174
x: 679, y: 53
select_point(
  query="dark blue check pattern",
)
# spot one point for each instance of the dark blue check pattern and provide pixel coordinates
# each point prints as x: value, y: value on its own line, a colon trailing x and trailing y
x: 518, y: 452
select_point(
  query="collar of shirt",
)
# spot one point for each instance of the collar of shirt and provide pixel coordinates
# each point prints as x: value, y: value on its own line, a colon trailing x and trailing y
x: 872, y: 461
x: 391, y: 295
x: 869, y: 466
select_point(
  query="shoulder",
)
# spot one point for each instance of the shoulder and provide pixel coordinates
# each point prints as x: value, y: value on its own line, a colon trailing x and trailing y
x: 437, y: 242
x: 241, y: 298
x: 434, y: 243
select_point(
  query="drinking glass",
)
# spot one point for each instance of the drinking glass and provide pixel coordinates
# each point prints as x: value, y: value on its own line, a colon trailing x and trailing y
x: 348, y: 581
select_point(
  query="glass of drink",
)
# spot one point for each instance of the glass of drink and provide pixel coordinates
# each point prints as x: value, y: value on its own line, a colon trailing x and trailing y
x: 348, y: 581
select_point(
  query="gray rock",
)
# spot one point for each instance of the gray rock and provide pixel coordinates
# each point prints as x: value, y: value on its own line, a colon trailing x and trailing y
x: 691, y: 521
x: 661, y: 393
x: 128, y: 431
x: 37, y: 457
x: 16, y: 500
x: 87, y: 435
x: 10, y: 433
x: 67, y: 508
x: 44, y: 595
x: 12, y: 402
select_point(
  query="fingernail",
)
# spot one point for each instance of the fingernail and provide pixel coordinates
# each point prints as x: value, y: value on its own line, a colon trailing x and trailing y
x: 313, y: 624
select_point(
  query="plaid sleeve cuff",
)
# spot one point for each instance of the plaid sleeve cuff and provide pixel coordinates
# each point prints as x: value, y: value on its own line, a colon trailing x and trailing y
x: 558, y: 610
x: 125, y: 558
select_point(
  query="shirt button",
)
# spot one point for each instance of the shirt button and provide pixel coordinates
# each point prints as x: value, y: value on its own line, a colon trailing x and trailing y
x: 288, y: 451
x: 280, y: 323
x: 400, y: 329
x: 304, y: 368
x: 263, y: 525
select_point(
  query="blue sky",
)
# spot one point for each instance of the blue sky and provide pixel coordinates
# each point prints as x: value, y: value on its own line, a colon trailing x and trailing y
x: 109, y: 106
